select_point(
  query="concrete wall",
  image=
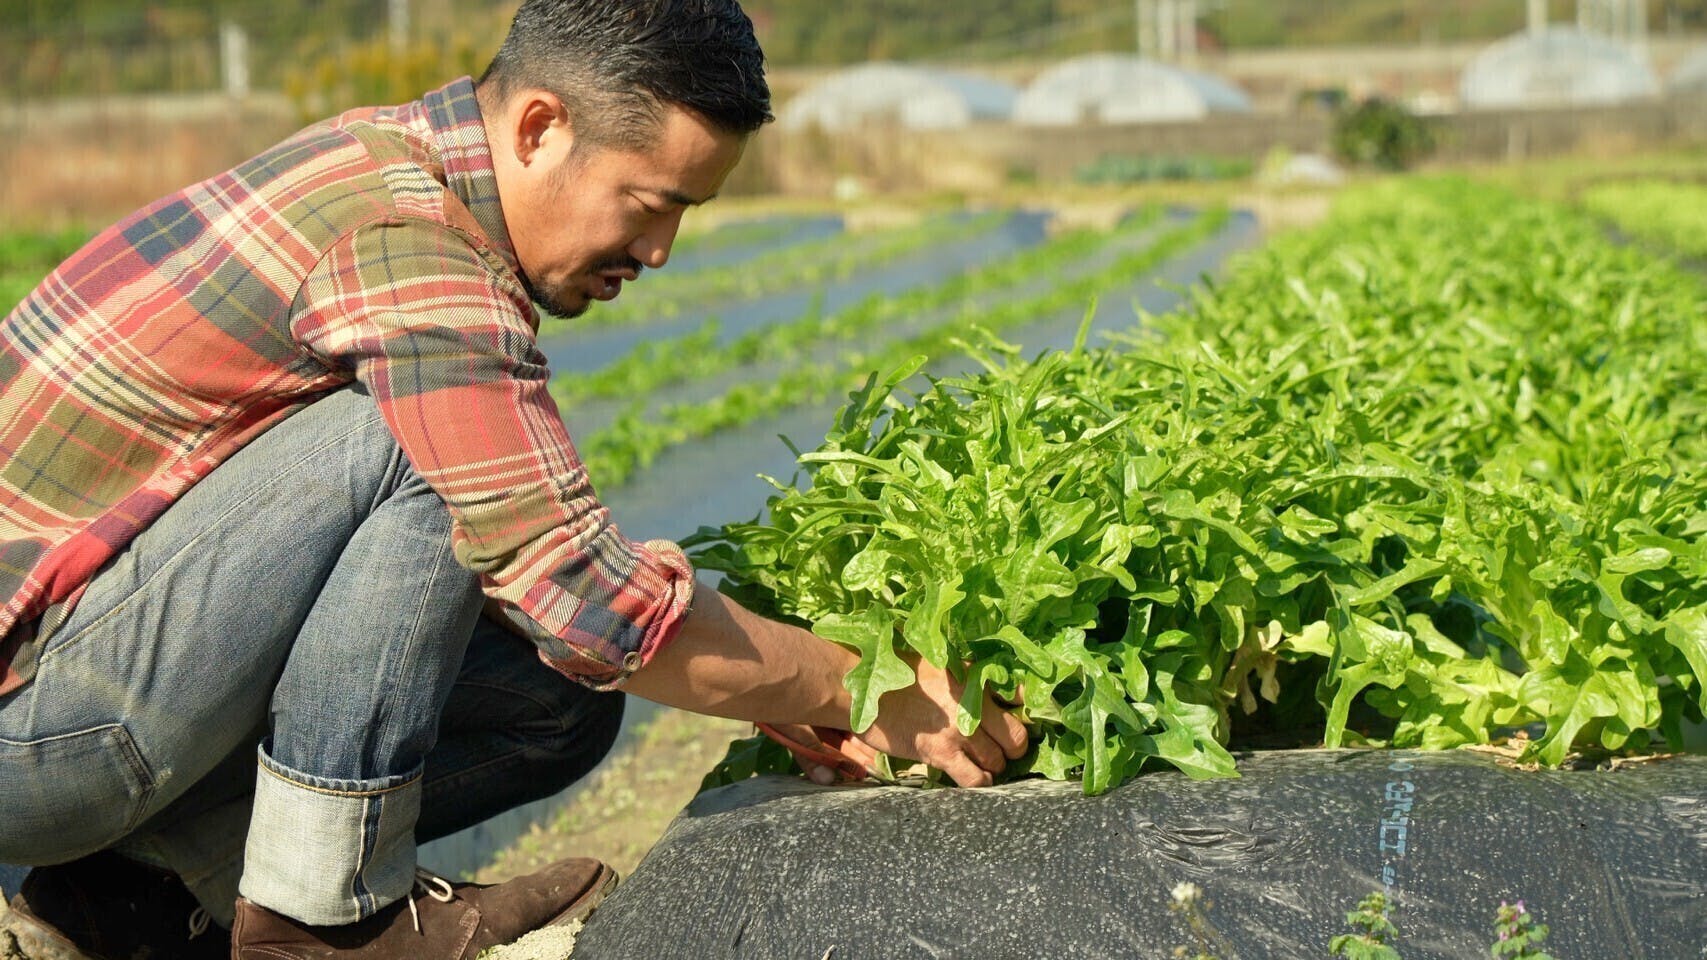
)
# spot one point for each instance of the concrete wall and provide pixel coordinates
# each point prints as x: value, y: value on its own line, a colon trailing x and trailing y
x: 1516, y: 134
x: 1275, y: 77
x: 988, y: 155
x: 984, y: 156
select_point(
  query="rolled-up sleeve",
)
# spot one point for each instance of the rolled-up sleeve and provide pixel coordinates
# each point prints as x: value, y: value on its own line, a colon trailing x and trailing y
x: 438, y: 331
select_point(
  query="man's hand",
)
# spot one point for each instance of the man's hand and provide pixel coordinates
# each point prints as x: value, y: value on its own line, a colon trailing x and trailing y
x: 730, y: 662
x: 918, y: 723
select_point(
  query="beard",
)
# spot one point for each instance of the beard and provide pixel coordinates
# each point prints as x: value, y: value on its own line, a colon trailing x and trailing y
x: 555, y: 299
x: 565, y: 300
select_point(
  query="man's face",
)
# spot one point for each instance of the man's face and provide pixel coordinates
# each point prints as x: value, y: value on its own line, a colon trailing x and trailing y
x: 591, y: 218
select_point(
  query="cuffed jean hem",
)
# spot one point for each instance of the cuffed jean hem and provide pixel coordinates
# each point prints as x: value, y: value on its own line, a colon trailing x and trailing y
x: 330, y: 852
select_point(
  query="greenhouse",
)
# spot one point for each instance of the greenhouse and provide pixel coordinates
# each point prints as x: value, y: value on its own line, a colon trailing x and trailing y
x: 1690, y: 75
x: 918, y: 98
x: 1115, y: 88
x: 1555, y: 67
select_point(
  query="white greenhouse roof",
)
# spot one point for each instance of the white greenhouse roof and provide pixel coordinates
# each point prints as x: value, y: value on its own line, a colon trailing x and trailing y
x: 919, y: 98
x: 1120, y: 88
x: 1557, y: 66
x: 1690, y: 74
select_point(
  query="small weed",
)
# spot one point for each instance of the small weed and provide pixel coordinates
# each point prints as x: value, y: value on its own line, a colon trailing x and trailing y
x: 1188, y: 902
x: 1373, y: 928
x: 1518, y: 933
x: 1516, y: 928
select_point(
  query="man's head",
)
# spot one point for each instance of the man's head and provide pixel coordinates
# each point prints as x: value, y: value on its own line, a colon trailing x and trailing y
x: 607, y: 119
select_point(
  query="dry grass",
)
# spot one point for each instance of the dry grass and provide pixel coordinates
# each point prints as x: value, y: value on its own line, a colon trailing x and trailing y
x: 89, y: 167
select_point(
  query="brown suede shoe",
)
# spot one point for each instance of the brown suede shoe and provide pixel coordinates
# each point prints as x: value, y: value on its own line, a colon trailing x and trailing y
x: 108, y: 907
x: 439, y: 921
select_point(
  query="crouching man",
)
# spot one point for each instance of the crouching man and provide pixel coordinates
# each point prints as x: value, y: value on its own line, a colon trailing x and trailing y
x: 299, y: 566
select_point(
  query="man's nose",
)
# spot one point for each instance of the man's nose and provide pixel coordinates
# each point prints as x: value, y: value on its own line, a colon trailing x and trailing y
x: 652, y: 247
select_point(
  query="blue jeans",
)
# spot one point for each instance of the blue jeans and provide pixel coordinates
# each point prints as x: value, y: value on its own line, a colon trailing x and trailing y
x: 284, y: 684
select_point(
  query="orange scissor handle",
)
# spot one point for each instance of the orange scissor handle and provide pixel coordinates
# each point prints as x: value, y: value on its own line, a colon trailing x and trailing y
x: 829, y: 756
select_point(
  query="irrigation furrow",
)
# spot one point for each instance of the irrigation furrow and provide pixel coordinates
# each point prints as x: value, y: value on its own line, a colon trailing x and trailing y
x: 703, y: 353
x: 589, y: 350
x: 663, y: 296
x: 636, y: 437
x: 742, y: 240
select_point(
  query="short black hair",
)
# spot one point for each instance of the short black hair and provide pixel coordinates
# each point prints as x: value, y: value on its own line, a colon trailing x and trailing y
x: 615, y: 63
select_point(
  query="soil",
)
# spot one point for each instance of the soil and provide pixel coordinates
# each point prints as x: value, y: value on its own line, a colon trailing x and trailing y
x: 618, y: 818
x: 551, y: 943
x: 630, y: 800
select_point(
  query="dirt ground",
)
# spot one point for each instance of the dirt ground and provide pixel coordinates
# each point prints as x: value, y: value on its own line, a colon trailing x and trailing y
x: 630, y: 800
x: 621, y: 814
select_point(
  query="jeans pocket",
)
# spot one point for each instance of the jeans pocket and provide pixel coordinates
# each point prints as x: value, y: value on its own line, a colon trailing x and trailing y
x: 68, y: 795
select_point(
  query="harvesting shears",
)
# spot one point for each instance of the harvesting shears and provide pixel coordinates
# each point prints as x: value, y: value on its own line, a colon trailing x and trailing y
x: 827, y: 753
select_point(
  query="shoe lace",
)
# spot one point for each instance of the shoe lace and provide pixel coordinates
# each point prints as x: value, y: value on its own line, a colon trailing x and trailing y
x: 200, y: 920
x: 432, y: 885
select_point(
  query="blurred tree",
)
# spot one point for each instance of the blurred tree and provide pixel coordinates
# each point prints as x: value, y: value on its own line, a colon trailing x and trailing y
x: 1380, y: 133
x: 330, y: 77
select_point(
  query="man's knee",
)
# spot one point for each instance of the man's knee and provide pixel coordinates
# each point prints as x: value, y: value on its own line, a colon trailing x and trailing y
x: 580, y: 732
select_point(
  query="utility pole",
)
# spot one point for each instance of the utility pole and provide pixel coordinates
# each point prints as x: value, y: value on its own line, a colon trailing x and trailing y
x: 234, y: 59
x: 1168, y: 30
x: 1639, y: 28
x: 397, y: 18
x: 1591, y: 16
x: 1625, y: 20
x: 1187, y: 28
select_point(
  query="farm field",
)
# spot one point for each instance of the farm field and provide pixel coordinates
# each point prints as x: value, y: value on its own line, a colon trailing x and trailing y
x: 1449, y: 445
x: 1380, y: 260
x: 940, y: 265
x: 1430, y: 473
x: 1469, y: 419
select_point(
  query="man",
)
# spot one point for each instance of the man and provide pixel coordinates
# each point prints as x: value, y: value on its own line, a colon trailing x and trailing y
x: 288, y: 521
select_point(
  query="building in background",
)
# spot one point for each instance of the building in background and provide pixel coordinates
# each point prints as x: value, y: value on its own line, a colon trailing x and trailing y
x: 913, y: 97
x: 1111, y: 88
x: 1556, y: 67
x: 1690, y: 74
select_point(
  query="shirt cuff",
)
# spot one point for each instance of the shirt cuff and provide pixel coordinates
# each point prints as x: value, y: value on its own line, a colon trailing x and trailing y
x: 666, y: 564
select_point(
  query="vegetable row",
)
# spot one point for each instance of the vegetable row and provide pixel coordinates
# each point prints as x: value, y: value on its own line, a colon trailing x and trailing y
x: 1662, y: 212
x: 1429, y: 475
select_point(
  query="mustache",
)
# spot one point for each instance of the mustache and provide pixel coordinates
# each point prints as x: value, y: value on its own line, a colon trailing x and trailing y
x: 613, y: 264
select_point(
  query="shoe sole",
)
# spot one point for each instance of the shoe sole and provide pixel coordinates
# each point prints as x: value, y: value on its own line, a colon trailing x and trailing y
x: 583, y: 908
x: 23, y: 937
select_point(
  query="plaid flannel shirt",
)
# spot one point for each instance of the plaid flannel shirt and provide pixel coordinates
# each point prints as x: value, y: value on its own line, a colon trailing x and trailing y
x: 370, y: 248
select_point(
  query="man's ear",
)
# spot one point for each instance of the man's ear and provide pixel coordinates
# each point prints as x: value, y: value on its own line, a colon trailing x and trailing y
x: 541, y: 127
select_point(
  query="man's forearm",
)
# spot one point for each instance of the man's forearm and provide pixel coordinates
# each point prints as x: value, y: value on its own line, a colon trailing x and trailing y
x: 731, y: 662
